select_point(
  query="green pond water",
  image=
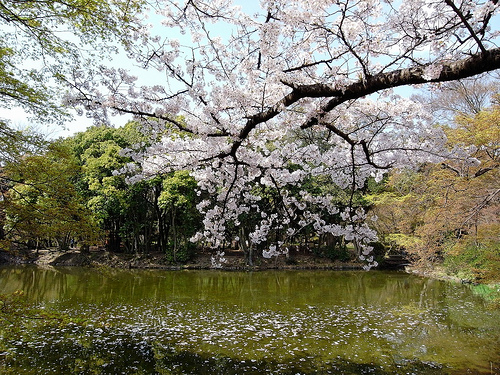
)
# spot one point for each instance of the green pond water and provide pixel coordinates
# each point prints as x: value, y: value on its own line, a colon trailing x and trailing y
x: 272, y: 322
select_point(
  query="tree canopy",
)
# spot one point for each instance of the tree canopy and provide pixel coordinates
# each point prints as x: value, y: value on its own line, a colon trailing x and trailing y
x: 42, y: 203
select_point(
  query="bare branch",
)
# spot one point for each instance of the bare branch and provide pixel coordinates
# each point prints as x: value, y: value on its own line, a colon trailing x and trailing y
x: 466, y: 24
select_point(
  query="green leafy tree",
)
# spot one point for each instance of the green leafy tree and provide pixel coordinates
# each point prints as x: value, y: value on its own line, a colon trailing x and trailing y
x: 139, y: 230
x: 42, y: 41
x: 107, y: 193
x: 154, y: 214
x: 178, y: 201
x: 42, y: 205
x: 13, y: 145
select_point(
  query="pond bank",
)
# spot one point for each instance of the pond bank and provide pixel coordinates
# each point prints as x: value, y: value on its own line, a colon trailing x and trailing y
x: 234, y: 260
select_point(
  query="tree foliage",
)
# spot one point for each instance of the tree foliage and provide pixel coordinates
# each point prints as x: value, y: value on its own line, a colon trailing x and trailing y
x: 97, y: 152
x: 43, y: 41
x: 159, y: 214
x: 42, y: 206
x: 450, y: 210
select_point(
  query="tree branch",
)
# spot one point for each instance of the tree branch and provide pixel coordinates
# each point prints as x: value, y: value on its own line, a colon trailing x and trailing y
x: 480, y: 206
x: 454, y: 170
x: 466, y: 23
x: 476, y: 64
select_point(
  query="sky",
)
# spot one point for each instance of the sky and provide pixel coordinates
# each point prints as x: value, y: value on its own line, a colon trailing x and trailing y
x: 20, y: 120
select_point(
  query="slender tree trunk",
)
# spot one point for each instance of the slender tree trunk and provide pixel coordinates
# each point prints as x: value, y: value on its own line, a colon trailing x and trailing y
x: 174, y: 234
x: 246, y: 247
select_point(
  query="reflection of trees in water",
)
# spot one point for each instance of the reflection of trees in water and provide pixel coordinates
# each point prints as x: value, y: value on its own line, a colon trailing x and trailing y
x: 241, y: 288
x: 39, y: 284
x: 244, y: 289
x: 45, y: 284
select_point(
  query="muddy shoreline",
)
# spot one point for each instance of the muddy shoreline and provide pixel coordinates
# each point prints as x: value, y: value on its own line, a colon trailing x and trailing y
x: 235, y: 260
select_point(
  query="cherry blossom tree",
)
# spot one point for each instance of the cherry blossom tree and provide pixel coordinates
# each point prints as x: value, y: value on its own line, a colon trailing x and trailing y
x: 238, y: 87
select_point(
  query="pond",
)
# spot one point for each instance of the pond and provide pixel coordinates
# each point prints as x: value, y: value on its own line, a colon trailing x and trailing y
x: 269, y: 322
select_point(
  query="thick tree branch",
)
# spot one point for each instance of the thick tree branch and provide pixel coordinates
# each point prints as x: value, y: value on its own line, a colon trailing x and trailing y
x: 474, y: 65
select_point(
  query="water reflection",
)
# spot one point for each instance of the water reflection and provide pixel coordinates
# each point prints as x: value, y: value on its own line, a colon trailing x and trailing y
x: 278, y: 322
x: 240, y: 288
